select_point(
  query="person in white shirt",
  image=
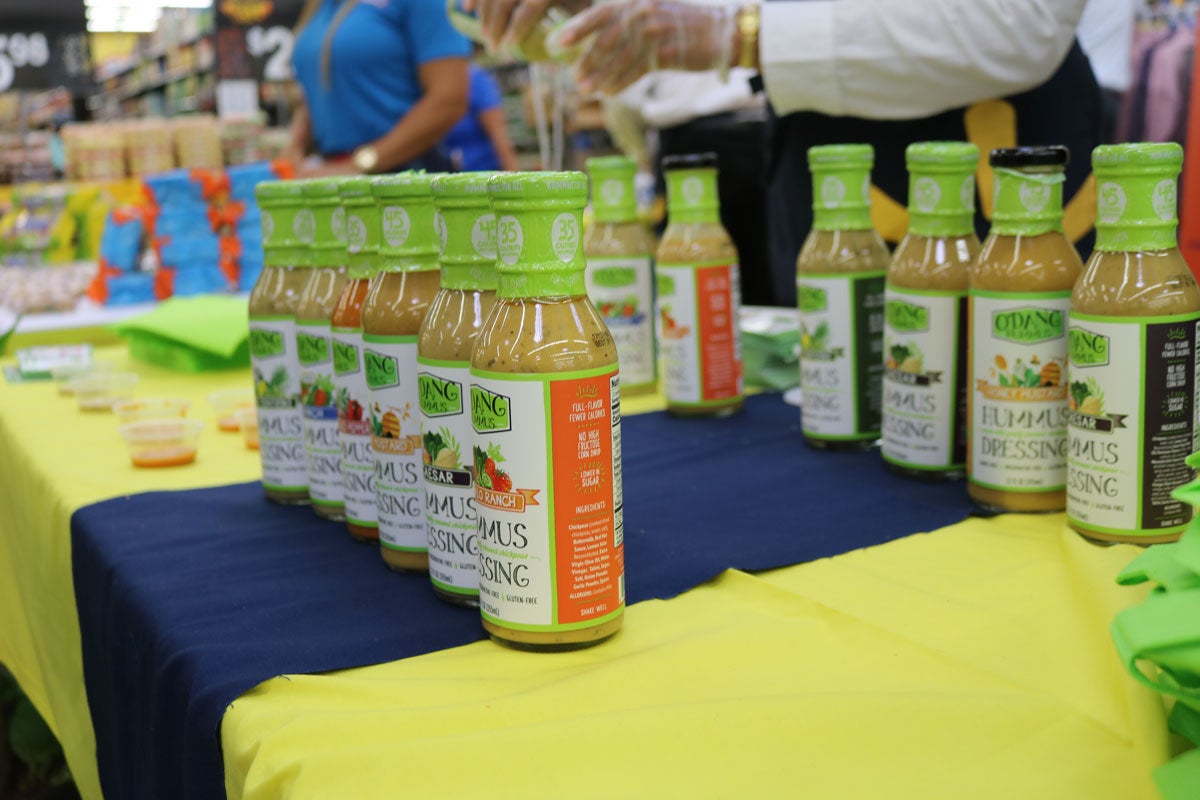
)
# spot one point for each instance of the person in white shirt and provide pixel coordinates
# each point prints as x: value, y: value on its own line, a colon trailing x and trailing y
x: 1106, y: 36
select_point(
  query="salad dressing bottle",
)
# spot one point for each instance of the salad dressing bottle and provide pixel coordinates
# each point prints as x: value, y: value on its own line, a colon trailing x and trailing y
x: 1133, y: 350
x: 467, y: 228
x: 287, y: 231
x: 925, y: 316
x: 392, y: 314
x: 326, y: 280
x: 1020, y: 291
x: 546, y: 415
x: 840, y: 275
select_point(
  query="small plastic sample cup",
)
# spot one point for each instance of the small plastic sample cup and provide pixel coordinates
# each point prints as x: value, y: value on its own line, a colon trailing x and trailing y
x: 227, y: 403
x: 247, y: 419
x: 67, y: 372
x: 151, y: 408
x: 99, y: 391
x: 162, y: 442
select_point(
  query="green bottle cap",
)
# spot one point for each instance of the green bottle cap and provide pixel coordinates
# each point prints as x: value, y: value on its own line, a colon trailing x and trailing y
x: 539, y: 233
x: 287, y: 226
x: 466, y: 228
x: 1028, y: 190
x: 328, y: 248
x: 409, y: 241
x: 841, y: 176
x: 613, y: 196
x: 941, y: 188
x: 1136, y: 196
x: 362, y: 227
x: 692, y: 188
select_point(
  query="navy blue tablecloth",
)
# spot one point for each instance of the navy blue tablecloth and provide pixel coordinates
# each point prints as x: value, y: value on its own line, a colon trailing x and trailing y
x: 188, y: 599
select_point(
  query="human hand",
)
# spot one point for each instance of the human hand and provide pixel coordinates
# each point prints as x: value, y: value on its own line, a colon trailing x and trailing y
x: 505, y: 23
x: 632, y: 38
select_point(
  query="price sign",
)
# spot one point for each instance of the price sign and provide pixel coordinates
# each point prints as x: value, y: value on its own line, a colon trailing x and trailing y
x: 274, y: 46
x: 255, y: 39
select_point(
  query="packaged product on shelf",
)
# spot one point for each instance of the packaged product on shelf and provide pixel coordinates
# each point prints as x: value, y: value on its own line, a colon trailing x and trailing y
x: 698, y: 296
x: 545, y: 409
x: 925, y: 316
x: 1133, y: 356
x: 392, y: 316
x: 326, y: 281
x: 1020, y: 291
x: 287, y: 233
x: 467, y: 227
x: 197, y: 142
x: 840, y: 276
x: 351, y: 394
x: 149, y: 146
x: 620, y: 270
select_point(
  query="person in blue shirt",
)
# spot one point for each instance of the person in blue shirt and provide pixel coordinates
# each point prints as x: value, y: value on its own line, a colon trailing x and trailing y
x: 480, y: 140
x: 383, y: 82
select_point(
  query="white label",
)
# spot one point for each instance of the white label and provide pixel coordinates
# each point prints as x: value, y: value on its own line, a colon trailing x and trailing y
x: 841, y: 355
x: 1018, y: 392
x: 833, y: 191
x: 356, y: 233
x: 510, y: 239
x: 699, y: 340
x: 926, y: 194
x: 564, y: 237
x: 395, y: 416
x: 395, y: 225
x: 483, y: 236
x: 338, y: 223
x: 354, y: 427
x: 966, y: 193
x: 692, y: 190
x: 450, y: 515
x: 1132, y: 423
x: 318, y: 401
x: 923, y: 423
x: 1164, y: 200
x: 276, y: 369
x: 304, y: 225
x: 268, y: 226
x: 439, y: 227
x: 612, y: 191
x: 622, y: 289
x: 1110, y: 201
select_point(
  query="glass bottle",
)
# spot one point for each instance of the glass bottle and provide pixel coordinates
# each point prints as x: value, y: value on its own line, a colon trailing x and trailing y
x: 620, y: 270
x: 1020, y: 291
x: 467, y: 228
x: 392, y: 315
x: 349, y: 371
x: 698, y: 296
x: 1133, y: 350
x: 287, y: 231
x: 545, y: 410
x: 840, y: 275
x: 314, y: 310
x: 925, y: 316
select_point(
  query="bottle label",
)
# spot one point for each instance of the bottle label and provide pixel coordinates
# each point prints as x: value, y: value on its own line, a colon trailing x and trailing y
x: 446, y: 438
x: 1132, y: 422
x: 1018, y: 390
x: 841, y: 354
x: 276, y: 367
x: 394, y: 414
x: 924, y: 379
x: 354, y: 427
x: 321, y: 445
x: 547, y: 461
x: 622, y: 290
x: 701, y: 346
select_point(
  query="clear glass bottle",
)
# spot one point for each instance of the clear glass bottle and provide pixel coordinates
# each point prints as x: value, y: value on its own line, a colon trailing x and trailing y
x: 314, y: 310
x: 1020, y: 291
x: 467, y: 228
x: 840, y: 275
x: 352, y: 396
x: 925, y: 316
x: 545, y: 411
x: 394, y: 310
x: 698, y: 296
x: 1133, y: 340
x: 620, y: 270
x: 287, y: 231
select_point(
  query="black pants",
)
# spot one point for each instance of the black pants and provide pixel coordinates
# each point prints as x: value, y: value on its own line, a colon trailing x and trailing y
x: 741, y: 187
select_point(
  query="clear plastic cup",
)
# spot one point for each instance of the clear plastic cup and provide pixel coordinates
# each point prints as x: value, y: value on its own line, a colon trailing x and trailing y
x: 162, y: 442
x: 247, y: 419
x: 151, y: 408
x: 227, y: 403
x: 64, y: 374
x: 99, y: 391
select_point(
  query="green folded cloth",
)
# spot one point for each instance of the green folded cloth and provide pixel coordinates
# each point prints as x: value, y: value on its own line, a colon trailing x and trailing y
x: 194, y: 334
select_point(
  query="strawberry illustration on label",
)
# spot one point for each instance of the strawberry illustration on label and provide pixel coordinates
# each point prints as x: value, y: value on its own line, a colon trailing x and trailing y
x: 494, y: 486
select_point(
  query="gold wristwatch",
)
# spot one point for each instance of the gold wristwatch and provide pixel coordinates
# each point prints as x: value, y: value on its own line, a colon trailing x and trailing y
x: 365, y: 159
x: 748, y: 26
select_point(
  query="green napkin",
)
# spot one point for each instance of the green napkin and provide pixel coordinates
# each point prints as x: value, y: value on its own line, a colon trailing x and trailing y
x: 194, y: 334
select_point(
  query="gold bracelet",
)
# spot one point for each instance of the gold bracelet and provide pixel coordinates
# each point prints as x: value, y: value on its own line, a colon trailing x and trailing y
x: 748, y: 19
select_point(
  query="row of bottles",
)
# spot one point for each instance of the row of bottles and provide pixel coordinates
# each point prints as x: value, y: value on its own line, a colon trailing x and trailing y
x: 1050, y: 385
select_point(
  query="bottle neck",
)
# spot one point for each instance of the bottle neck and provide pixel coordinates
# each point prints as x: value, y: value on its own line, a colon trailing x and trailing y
x: 1136, y: 213
x: 406, y: 231
x: 1027, y: 203
x: 362, y: 239
x: 941, y: 203
x: 692, y: 195
x: 841, y: 199
x: 468, y: 238
x: 540, y: 253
